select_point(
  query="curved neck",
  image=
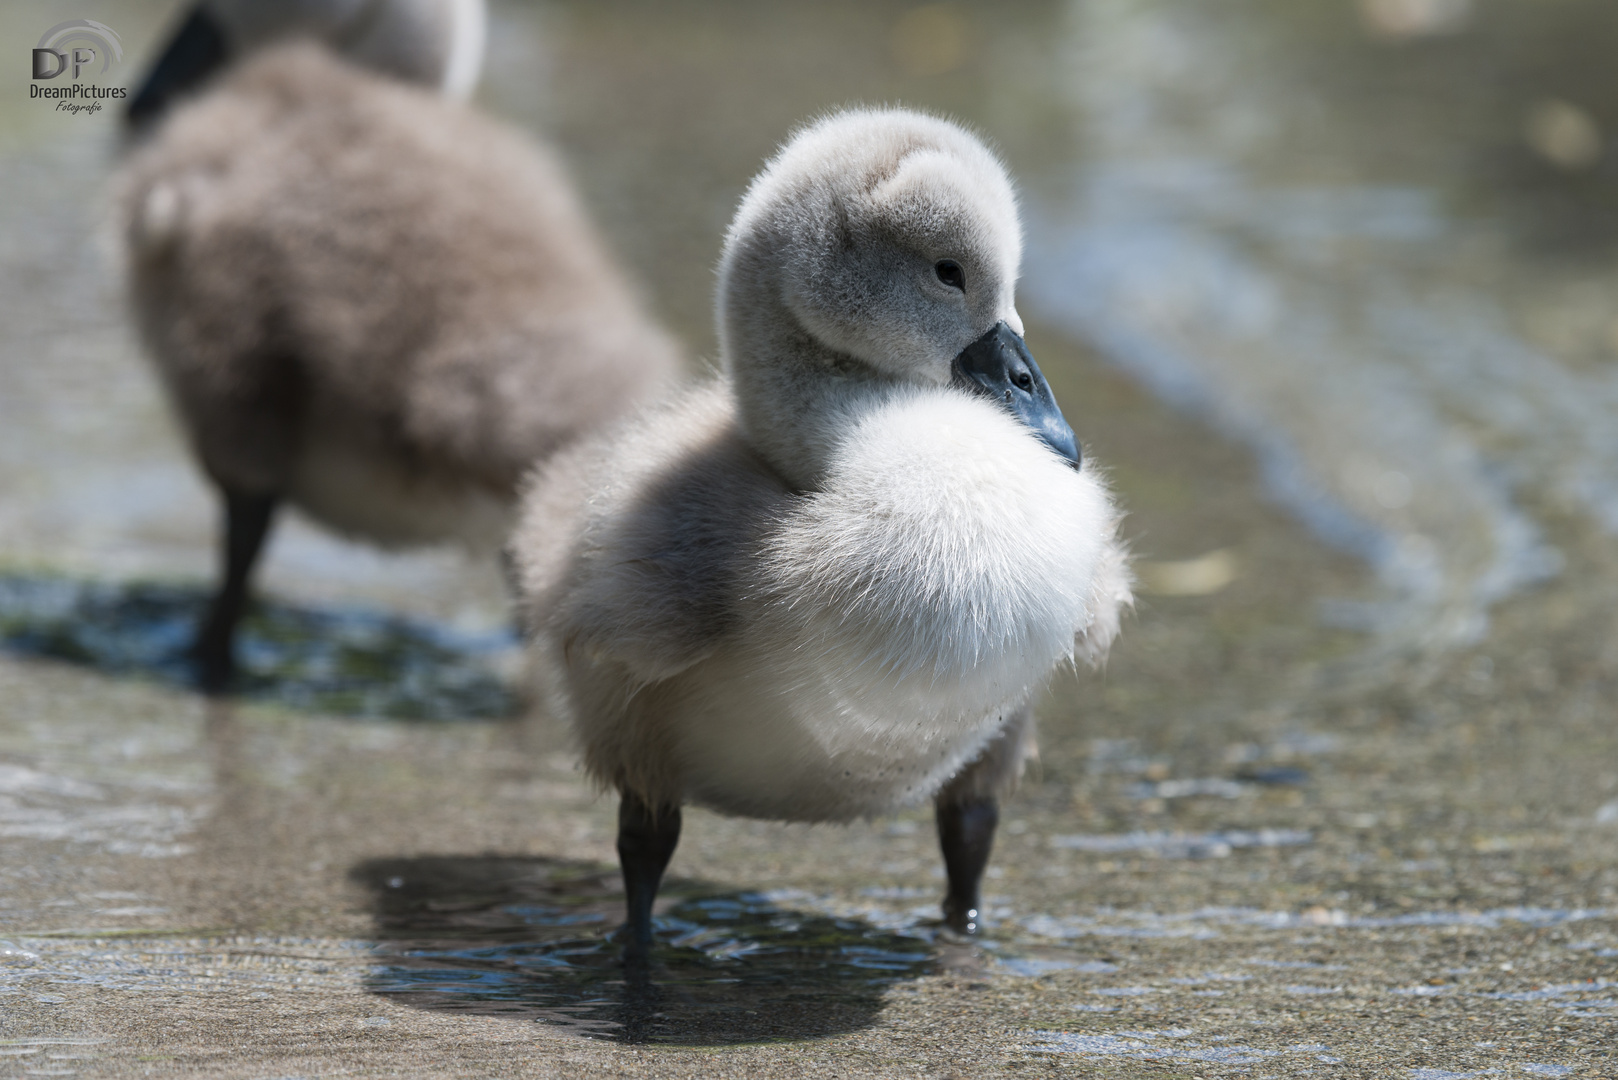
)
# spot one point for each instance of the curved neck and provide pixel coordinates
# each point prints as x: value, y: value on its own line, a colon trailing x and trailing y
x: 793, y: 393
x: 435, y: 42
x: 432, y: 42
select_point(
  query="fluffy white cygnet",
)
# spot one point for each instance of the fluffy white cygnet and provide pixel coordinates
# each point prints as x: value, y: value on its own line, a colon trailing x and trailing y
x: 827, y: 584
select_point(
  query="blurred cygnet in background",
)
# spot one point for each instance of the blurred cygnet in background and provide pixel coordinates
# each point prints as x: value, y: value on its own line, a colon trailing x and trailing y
x: 364, y: 298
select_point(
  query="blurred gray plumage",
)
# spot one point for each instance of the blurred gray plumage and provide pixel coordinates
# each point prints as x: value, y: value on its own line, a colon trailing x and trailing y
x: 344, y: 277
x: 369, y: 301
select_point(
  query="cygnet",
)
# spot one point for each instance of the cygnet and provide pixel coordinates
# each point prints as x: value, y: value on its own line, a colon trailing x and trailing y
x: 827, y: 584
x: 369, y: 302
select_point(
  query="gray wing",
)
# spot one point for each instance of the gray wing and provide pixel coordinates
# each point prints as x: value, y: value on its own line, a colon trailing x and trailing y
x: 635, y: 545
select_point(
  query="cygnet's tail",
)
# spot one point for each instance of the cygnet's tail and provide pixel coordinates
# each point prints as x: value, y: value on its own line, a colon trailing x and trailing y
x: 157, y: 221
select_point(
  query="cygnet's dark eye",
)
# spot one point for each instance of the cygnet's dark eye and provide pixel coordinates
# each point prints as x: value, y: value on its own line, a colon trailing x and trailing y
x: 1024, y: 381
x: 950, y: 273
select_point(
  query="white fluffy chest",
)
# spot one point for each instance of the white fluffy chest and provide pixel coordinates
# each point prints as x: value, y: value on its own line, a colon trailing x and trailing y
x: 897, y: 615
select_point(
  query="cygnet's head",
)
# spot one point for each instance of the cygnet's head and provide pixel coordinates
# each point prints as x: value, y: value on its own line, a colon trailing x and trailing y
x: 437, y: 43
x: 883, y: 244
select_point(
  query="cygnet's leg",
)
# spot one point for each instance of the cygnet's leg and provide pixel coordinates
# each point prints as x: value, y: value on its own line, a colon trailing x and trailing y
x: 968, y: 810
x: 646, y: 840
x: 966, y: 833
x: 247, y: 523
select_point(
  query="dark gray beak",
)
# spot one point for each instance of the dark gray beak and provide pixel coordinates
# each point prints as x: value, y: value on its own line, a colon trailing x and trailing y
x: 999, y: 365
x: 196, y: 51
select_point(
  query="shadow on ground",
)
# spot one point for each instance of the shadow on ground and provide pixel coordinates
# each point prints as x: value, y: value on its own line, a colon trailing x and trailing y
x: 343, y: 661
x: 531, y: 937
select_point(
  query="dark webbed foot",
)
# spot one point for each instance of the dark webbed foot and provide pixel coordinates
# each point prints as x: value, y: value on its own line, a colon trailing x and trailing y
x: 647, y: 837
x: 247, y: 523
x: 966, y: 834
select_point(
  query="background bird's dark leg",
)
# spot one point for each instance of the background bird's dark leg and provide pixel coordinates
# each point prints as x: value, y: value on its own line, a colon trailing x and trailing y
x: 968, y: 809
x: 646, y: 841
x: 247, y: 522
x: 966, y: 833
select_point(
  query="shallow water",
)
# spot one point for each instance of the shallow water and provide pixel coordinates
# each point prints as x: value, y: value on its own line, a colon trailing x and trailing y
x: 535, y: 939
x: 342, y: 660
x: 1325, y: 287
x: 1333, y: 248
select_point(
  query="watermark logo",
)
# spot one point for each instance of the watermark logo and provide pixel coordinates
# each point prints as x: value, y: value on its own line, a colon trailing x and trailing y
x: 72, y: 49
x: 79, y: 42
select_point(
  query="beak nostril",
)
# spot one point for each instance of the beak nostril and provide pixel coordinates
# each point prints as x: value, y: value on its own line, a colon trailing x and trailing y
x: 999, y: 366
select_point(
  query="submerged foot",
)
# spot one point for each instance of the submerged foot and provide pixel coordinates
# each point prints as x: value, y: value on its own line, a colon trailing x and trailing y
x: 214, y: 666
x: 963, y: 917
